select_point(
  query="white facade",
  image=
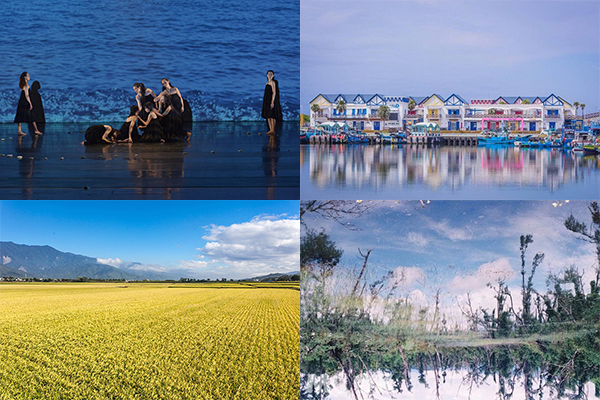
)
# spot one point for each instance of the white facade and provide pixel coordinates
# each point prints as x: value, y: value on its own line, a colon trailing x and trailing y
x: 452, y: 113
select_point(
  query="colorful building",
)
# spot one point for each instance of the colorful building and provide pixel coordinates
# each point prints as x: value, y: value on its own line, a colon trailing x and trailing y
x: 362, y: 112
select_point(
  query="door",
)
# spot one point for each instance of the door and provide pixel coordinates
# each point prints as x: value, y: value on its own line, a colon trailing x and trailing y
x: 552, y: 125
x: 532, y: 126
x: 473, y: 125
x: 376, y: 125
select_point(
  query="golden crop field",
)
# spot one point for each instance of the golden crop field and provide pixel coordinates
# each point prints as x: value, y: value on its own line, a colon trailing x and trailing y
x: 148, y: 341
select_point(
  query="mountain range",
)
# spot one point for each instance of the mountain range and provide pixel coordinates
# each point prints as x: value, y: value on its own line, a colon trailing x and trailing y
x: 25, y: 261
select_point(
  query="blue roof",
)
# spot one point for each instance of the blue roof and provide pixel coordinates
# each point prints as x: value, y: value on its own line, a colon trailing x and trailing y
x: 458, y: 97
x: 418, y: 99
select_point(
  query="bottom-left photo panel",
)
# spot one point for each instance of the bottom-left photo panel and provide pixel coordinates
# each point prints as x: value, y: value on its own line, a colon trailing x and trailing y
x: 149, y: 300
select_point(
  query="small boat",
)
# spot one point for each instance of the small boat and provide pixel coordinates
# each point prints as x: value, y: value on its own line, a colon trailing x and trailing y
x: 357, y: 138
x: 590, y: 149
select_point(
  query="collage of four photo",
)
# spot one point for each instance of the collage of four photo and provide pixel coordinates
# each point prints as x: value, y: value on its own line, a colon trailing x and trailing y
x: 317, y: 200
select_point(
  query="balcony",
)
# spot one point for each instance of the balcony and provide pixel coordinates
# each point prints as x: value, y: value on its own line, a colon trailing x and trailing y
x: 552, y: 116
x: 413, y: 116
x: 478, y: 115
x: 433, y: 117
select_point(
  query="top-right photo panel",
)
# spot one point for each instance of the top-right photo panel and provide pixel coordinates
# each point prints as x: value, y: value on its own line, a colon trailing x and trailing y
x: 461, y: 100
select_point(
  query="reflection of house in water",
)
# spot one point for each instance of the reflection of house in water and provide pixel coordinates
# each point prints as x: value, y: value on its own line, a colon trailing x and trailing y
x: 379, y: 167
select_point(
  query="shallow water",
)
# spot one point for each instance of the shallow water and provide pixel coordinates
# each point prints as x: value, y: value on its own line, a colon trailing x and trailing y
x: 223, y: 160
x: 87, y: 57
x: 453, y: 173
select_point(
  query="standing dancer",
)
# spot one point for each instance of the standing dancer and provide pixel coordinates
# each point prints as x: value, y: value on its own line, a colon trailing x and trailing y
x: 25, y: 107
x: 271, y: 109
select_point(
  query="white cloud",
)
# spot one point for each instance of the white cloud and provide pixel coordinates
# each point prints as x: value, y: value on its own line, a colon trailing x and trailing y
x: 133, y: 266
x: 261, y: 246
x: 194, y: 264
x: 114, y: 262
x: 486, y: 273
x: 406, y: 276
x: 454, y: 233
x: 417, y: 239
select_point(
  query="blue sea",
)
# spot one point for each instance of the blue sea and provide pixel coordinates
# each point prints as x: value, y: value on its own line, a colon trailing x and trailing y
x: 87, y: 56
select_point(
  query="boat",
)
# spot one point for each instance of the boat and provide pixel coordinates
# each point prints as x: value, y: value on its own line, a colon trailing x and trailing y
x: 591, y: 149
x: 494, y: 139
x: 356, y: 138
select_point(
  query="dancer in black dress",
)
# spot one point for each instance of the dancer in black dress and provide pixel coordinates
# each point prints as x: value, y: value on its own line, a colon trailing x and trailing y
x: 171, y: 123
x: 25, y: 107
x: 143, y: 96
x: 100, y: 134
x: 153, y: 131
x: 271, y: 109
x: 173, y: 92
x: 128, y: 132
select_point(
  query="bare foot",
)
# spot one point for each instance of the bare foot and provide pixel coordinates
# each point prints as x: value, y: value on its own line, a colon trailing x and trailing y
x: 270, y: 133
x: 38, y: 133
x: 189, y: 135
x: 22, y: 133
x: 83, y: 143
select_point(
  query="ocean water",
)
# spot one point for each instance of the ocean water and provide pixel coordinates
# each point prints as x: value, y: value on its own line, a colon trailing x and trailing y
x: 87, y: 57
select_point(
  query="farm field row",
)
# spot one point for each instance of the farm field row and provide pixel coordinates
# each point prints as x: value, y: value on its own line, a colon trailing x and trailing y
x: 148, y: 341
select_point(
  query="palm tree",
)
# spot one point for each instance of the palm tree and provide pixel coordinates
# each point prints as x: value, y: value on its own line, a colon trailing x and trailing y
x: 526, y: 101
x: 582, y: 105
x: 411, y: 105
x: 341, y: 106
x: 576, y: 104
x: 315, y: 108
x: 384, y: 113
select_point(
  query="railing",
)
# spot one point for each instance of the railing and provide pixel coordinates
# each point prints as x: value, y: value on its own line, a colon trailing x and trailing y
x: 433, y: 117
x: 505, y: 115
x: 552, y: 116
x: 350, y: 116
x: 415, y: 116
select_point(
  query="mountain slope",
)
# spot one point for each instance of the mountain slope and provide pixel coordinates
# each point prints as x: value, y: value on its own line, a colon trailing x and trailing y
x: 47, y: 262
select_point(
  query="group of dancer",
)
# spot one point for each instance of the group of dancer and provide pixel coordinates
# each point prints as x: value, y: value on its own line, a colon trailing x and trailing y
x: 158, y: 118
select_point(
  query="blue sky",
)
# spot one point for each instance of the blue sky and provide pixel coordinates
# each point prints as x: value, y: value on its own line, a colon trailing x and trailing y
x: 460, y: 246
x: 477, y: 49
x: 232, y: 239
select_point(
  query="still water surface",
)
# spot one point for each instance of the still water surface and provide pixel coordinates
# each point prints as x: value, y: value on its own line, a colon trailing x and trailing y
x: 456, y: 173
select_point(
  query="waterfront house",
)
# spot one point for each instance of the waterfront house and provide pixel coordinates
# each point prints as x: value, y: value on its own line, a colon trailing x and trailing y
x: 453, y: 113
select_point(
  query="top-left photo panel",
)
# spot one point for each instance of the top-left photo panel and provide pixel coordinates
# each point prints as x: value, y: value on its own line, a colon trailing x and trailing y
x: 150, y: 100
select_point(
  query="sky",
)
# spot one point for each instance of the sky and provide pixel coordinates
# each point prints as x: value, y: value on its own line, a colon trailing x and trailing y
x: 477, y: 49
x: 208, y: 239
x: 460, y: 246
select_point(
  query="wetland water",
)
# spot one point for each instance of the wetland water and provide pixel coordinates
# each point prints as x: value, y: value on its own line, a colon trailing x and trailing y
x: 457, y: 173
x: 537, y: 370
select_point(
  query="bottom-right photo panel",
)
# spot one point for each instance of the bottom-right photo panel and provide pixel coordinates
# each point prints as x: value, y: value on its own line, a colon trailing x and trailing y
x: 450, y: 299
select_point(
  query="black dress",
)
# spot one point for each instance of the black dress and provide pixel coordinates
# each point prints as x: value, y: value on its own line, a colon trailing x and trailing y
x: 153, y: 133
x: 145, y: 99
x: 93, y: 134
x: 173, y: 126
x: 24, y: 114
x: 267, y: 111
x: 124, y: 132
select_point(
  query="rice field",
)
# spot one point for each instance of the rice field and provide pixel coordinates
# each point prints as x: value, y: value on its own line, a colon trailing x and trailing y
x: 148, y: 341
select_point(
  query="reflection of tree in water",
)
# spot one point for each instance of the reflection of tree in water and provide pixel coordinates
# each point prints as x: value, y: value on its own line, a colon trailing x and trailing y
x: 549, y: 353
